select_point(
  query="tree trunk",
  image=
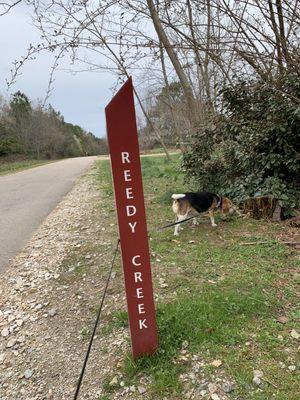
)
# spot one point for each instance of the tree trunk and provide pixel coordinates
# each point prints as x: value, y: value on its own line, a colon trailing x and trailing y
x: 163, y: 66
x: 191, y: 102
x: 124, y: 70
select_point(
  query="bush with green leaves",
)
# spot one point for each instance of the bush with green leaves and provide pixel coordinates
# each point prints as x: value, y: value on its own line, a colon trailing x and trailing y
x: 9, y: 143
x: 252, y: 147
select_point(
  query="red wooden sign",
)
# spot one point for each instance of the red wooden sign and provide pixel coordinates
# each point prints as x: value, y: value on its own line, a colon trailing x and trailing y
x: 127, y: 177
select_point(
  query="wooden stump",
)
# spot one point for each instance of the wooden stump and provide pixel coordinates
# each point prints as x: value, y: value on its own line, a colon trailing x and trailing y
x: 266, y: 207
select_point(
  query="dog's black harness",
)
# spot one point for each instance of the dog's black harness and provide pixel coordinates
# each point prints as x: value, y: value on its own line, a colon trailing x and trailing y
x: 220, y: 202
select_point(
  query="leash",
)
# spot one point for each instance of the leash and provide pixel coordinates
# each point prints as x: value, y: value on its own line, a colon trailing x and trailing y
x: 96, y: 322
x: 102, y: 302
x: 103, y: 298
x: 175, y: 223
x: 101, y: 305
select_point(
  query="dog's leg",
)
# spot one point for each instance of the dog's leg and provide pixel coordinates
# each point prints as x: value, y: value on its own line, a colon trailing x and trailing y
x: 179, y: 218
x: 212, y: 218
x: 195, y: 222
x: 176, y: 227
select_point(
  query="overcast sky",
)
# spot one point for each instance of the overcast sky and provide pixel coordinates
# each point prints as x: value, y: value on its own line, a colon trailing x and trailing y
x: 80, y: 98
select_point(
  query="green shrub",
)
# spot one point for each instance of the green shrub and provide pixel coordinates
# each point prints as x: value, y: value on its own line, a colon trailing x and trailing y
x: 9, y: 145
x: 252, y: 147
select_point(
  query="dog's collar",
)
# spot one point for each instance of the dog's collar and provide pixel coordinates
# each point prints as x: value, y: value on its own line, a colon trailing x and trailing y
x: 219, y: 203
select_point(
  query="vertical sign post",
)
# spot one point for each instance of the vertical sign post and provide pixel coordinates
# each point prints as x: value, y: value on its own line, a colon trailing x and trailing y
x: 127, y: 178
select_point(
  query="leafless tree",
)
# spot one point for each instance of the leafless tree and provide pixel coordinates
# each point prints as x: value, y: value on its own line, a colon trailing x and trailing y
x: 203, y: 44
x: 6, y: 6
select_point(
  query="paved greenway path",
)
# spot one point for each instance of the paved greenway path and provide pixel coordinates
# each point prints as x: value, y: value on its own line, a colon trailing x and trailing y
x: 27, y: 197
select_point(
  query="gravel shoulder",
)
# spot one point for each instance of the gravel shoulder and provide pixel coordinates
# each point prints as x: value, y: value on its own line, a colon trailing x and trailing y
x: 47, y: 305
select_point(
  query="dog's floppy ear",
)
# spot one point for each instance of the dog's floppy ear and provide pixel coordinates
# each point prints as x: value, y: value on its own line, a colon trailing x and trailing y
x: 229, y: 208
x: 226, y: 205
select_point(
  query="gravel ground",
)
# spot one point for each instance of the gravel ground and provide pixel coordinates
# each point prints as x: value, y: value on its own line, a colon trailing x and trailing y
x: 43, y: 315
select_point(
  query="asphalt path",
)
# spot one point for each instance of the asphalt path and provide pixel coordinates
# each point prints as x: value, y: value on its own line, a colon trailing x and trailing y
x: 27, y: 197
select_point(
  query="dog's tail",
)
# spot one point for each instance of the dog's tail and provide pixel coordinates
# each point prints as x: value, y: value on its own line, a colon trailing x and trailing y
x: 178, y: 196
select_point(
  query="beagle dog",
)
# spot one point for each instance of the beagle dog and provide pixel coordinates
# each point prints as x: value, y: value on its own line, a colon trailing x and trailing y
x: 201, y: 202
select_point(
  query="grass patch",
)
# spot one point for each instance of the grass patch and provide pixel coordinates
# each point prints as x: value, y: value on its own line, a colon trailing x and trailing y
x: 85, y: 334
x: 16, y: 166
x: 223, y: 297
x: 216, y: 319
x: 120, y: 319
x: 205, y: 321
x: 159, y: 150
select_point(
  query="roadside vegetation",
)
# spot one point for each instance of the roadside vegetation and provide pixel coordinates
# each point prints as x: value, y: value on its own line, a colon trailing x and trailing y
x: 35, y: 131
x: 226, y: 297
x: 252, y: 147
x: 16, y: 166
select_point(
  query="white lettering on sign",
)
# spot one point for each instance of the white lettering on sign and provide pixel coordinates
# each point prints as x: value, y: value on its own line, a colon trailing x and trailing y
x: 129, y: 193
x: 139, y: 293
x: 125, y: 157
x: 127, y: 176
x: 142, y: 323
x: 136, y: 261
x: 138, y: 277
x: 141, y: 308
x: 132, y: 226
x: 130, y: 210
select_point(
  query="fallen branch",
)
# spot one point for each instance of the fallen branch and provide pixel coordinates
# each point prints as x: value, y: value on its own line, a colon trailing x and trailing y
x: 270, y: 383
x: 254, y: 243
x: 290, y: 243
x: 270, y: 243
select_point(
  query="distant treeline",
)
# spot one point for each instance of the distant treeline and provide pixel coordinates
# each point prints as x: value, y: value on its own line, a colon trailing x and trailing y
x: 39, y: 132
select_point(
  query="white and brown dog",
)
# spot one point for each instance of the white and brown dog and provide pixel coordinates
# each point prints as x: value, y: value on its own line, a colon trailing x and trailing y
x: 186, y: 203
